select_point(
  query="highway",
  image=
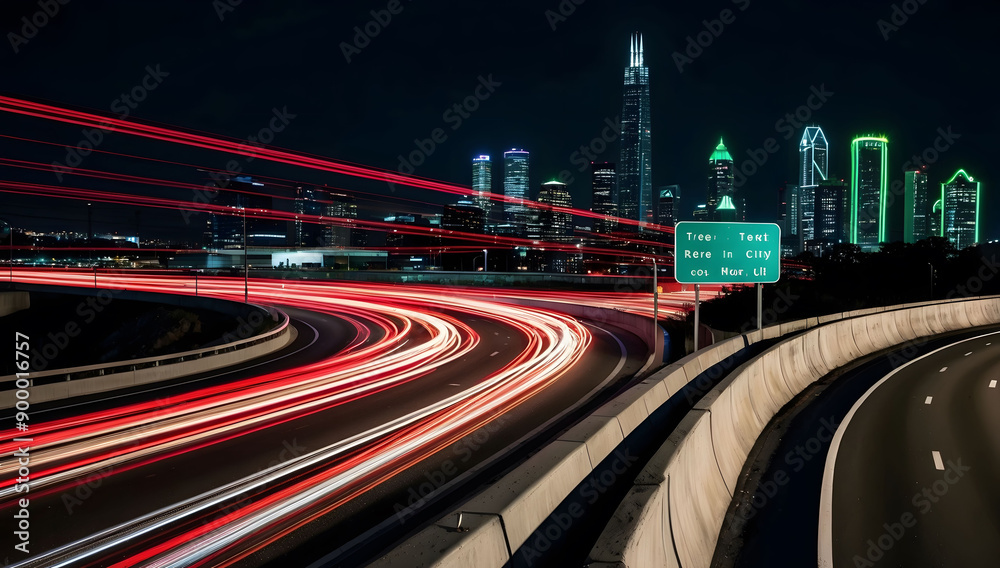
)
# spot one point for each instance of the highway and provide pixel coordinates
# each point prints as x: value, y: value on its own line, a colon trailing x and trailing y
x: 400, y: 387
x: 911, y: 477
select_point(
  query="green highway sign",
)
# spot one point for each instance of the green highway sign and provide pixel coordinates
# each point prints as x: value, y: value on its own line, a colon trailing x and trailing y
x: 727, y: 253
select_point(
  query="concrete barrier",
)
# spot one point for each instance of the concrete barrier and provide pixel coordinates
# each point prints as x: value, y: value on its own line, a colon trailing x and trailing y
x: 696, y: 471
x: 125, y: 374
x: 11, y: 302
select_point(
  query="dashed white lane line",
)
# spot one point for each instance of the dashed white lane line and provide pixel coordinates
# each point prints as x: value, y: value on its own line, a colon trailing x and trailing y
x: 938, y: 463
x: 993, y: 384
x: 494, y: 354
x: 969, y: 353
x: 990, y: 343
x: 454, y: 385
x: 943, y: 369
x: 928, y: 400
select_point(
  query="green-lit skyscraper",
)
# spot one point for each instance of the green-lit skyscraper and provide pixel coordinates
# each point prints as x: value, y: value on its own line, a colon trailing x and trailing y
x: 869, y: 184
x: 960, y: 210
x: 721, y: 180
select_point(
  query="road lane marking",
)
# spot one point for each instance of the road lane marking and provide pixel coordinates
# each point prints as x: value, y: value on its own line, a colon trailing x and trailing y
x: 943, y: 369
x: 825, y: 540
x: 454, y: 385
x: 990, y: 343
x: 928, y: 400
x: 969, y: 353
x: 938, y: 463
x: 993, y: 384
x: 494, y: 354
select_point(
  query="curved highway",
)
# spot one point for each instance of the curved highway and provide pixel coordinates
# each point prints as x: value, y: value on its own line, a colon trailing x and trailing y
x: 911, y: 477
x: 240, y: 470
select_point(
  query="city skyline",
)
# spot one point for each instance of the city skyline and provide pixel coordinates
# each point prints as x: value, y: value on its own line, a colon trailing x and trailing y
x: 559, y: 125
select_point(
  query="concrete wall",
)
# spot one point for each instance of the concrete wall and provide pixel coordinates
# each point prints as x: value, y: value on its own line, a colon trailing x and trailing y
x: 521, y: 500
x: 125, y: 374
x: 674, y: 512
x: 11, y: 302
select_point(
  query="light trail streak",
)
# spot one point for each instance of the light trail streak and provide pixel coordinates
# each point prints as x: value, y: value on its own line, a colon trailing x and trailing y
x: 320, y: 480
x: 49, y: 112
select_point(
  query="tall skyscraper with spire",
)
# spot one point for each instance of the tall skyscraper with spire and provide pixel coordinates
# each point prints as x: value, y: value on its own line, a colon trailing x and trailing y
x: 635, y: 181
x: 813, y: 168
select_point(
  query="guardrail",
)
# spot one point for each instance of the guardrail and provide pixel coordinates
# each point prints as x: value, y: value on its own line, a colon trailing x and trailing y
x: 59, y: 384
x: 675, y: 510
x: 499, y: 520
x: 11, y: 302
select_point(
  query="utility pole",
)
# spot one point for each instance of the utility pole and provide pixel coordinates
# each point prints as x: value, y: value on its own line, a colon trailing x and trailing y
x: 246, y: 261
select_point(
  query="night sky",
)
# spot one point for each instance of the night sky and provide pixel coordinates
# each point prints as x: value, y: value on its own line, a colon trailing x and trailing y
x: 557, y: 87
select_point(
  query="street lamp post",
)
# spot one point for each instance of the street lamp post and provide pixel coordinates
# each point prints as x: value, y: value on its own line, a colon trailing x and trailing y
x: 246, y: 261
x: 486, y: 264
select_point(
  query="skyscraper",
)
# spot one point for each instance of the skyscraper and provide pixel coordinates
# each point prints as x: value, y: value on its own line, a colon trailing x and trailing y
x: 308, y: 202
x: 828, y: 220
x: 666, y: 207
x: 515, y: 186
x: 554, y: 225
x: 482, y: 184
x: 791, y: 231
x: 960, y: 210
x: 635, y: 181
x: 602, y: 183
x: 813, y: 168
x: 726, y: 210
x: 869, y: 183
x: 721, y: 181
x: 916, y: 207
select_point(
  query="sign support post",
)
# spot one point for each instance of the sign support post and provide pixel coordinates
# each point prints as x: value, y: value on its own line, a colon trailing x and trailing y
x: 656, y: 307
x: 760, y: 306
x: 712, y: 252
x: 697, y: 309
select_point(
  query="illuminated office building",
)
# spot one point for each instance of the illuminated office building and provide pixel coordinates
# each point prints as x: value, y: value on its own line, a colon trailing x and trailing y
x: 602, y: 183
x: 635, y: 181
x: 916, y: 207
x: 721, y: 182
x: 869, y: 184
x: 813, y: 168
x: 515, y: 186
x: 482, y: 184
x: 960, y: 210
